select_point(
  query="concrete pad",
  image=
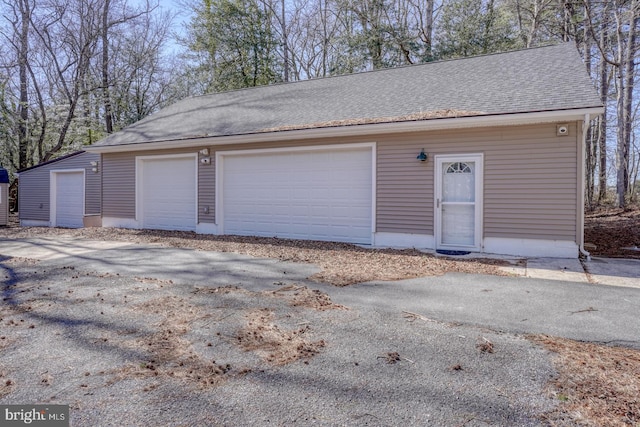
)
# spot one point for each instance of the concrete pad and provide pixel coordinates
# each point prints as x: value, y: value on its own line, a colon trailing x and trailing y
x: 565, y: 269
x: 614, y: 271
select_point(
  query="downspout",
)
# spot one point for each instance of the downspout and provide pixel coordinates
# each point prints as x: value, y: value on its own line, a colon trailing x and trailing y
x: 581, y: 186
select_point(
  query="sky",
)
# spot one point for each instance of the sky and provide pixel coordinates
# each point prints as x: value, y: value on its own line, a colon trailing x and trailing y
x: 182, y: 16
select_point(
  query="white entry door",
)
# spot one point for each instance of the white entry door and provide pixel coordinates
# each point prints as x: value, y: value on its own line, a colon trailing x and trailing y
x: 458, y: 202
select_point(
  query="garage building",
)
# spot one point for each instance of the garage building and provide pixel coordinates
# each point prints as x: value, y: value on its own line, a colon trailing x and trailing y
x: 65, y: 192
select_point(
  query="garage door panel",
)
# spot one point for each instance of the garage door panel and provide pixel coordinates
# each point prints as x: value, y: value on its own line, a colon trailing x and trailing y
x: 69, y: 199
x: 169, y: 194
x: 320, y: 195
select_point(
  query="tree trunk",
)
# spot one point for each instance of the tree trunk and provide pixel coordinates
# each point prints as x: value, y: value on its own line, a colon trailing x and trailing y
x: 285, y: 42
x: 427, y: 31
x: 23, y: 108
x: 106, y: 97
x: 602, y: 127
x: 625, y: 101
x: 590, y: 142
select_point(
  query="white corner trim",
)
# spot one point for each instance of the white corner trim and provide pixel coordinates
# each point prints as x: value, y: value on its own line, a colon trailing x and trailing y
x: 34, y: 223
x: 114, y: 222
x: 403, y: 240
x: 531, y: 247
x: 206, y: 228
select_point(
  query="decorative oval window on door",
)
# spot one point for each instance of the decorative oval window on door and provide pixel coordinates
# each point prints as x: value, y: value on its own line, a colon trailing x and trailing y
x: 459, y: 167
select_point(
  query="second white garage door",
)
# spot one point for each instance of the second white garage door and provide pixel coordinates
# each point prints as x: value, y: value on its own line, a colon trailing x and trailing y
x: 314, y: 195
x: 167, y: 188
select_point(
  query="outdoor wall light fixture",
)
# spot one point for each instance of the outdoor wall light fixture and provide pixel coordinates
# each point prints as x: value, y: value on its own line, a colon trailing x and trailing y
x: 94, y: 166
x: 422, y: 156
x: 204, y: 151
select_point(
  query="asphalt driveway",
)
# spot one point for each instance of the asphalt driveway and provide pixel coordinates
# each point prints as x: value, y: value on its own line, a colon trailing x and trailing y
x: 82, y: 320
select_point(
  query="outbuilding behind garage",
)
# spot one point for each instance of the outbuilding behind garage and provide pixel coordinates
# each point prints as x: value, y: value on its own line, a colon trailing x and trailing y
x: 65, y: 192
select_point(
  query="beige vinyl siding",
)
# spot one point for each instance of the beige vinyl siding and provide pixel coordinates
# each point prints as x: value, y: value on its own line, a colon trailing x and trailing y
x: 33, y: 194
x: 207, y: 190
x: 34, y: 187
x: 119, y: 176
x: 530, y: 180
x: 119, y: 185
x: 120, y: 191
x: 92, y: 184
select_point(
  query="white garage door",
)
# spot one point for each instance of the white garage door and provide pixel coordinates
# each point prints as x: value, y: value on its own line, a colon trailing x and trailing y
x: 69, y: 199
x: 317, y: 195
x: 168, y: 187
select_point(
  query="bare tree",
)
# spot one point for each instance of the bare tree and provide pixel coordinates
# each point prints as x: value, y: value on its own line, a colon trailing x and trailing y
x: 18, y: 39
x: 619, y: 54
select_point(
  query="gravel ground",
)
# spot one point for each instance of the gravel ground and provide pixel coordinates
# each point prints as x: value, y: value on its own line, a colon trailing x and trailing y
x: 129, y: 349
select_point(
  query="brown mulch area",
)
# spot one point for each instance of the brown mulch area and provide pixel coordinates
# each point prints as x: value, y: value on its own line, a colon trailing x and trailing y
x: 611, y: 230
x: 596, y: 385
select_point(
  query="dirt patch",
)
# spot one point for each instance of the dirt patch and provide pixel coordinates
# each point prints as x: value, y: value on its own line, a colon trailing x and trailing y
x: 597, y: 385
x: 274, y: 344
x: 269, y: 341
x: 6, y: 385
x: 613, y: 230
x: 170, y: 354
x: 296, y: 295
x: 302, y: 296
x: 20, y: 261
x: 153, y: 281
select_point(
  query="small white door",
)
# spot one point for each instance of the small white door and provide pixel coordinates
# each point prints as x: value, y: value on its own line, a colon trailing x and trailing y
x: 69, y: 199
x: 458, y: 202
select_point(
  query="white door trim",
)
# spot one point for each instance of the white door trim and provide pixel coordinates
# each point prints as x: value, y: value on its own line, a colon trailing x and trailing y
x: 53, y: 192
x: 219, y: 211
x: 478, y: 158
x: 140, y: 187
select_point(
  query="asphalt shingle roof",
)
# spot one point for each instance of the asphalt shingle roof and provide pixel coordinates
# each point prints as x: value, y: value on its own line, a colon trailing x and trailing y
x: 539, y: 79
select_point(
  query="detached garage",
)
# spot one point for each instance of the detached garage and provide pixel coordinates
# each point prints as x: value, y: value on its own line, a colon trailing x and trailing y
x: 481, y: 154
x: 65, y: 192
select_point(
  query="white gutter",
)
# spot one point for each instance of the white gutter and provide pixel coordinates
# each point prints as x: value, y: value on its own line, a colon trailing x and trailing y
x: 357, y: 130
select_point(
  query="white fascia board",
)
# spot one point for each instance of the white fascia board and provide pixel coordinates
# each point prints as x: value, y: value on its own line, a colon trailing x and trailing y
x: 360, y: 130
